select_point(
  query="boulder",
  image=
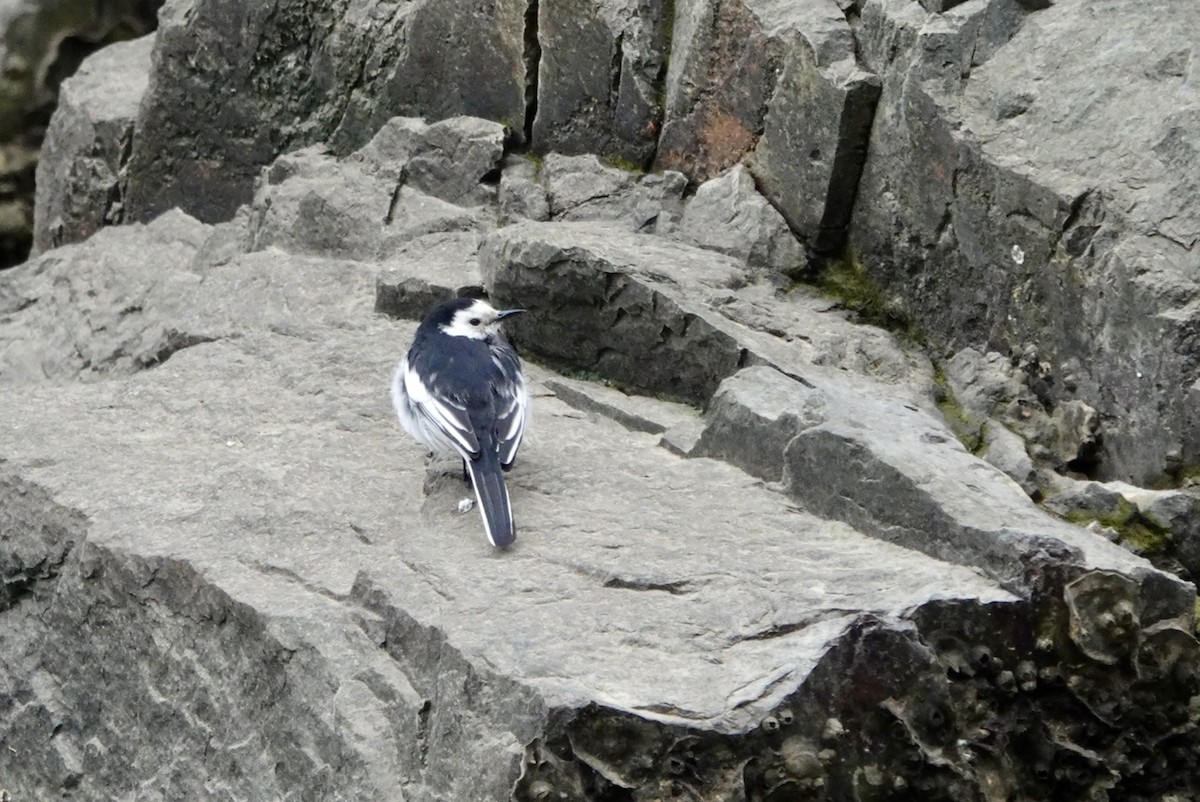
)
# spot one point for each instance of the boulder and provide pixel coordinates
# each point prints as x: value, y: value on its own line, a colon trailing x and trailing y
x: 607, y: 298
x: 781, y: 85
x: 583, y: 188
x: 519, y: 194
x: 723, y: 68
x: 1024, y: 396
x: 816, y: 128
x: 395, y: 189
x: 426, y: 271
x: 82, y: 169
x: 728, y: 215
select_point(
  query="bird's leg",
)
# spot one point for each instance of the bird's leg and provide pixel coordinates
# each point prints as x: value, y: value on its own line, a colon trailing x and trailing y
x: 466, y: 474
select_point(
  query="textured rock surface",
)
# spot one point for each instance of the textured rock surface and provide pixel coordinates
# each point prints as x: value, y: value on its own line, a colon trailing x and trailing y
x: 582, y: 188
x: 600, y: 77
x: 818, y: 121
x: 81, y: 173
x: 315, y: 73
x: 298, y: 605
x: 41, y: 43
x: 728, y: 215
x: 1010, y: 197
x: 224, y: 571
x: 607, y: 298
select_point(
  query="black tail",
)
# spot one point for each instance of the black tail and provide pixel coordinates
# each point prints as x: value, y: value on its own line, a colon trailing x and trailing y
x: 492, y: 496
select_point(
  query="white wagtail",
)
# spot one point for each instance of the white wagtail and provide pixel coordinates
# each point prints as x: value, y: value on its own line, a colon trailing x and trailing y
x: 460, y: 391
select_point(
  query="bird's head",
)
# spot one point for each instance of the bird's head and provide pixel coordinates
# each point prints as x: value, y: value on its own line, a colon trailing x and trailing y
x: 472, y: 317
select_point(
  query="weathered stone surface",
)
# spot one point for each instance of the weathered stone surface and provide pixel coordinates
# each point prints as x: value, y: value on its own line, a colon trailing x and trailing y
x: 91, y: 308
x: 779, y: 83
x: 426, y: 271
x: 456, y: 155
x: 582, y: 188
x: 815, y: 132
x: 1022, y: 394
x: 231, y: 575
x: 1012, y: 197
x: 352, y: 623
x: 1005, y: 450
x: 308, y: 202
x: 600, y: 77
x: 634, y: 412
x: 913, y: 484
x: 81, y: 172
x: 608, y: 299
x: 311, y: 202
x: 1163, y: 525
x: 237, y: 84
x: 723, y: 67
x: 519, y: 194
x: 728, y: 215
x: 447, y: 159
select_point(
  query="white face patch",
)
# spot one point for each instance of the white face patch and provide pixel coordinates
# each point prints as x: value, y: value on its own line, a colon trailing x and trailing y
x: 477, y: 321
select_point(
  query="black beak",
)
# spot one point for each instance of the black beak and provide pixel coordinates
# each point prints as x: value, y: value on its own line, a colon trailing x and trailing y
x: 508, y: 313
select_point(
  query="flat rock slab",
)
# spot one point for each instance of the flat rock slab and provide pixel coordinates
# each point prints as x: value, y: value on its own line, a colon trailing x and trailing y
x: 633, y: 586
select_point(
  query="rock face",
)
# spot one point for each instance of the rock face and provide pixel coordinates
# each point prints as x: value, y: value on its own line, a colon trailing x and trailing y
x: 600, y: 77
x: 1010, y: 199
x: 334, y: 72
x: 754, y: 560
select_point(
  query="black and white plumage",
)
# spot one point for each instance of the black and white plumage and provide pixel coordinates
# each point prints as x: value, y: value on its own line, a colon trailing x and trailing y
x: 460, y: 390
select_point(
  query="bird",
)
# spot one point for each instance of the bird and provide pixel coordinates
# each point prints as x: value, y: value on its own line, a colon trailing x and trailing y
x: 460, y: 390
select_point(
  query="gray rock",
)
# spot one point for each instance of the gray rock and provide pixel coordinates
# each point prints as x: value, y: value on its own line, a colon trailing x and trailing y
x: 1083, y: 189
x: 520, y: 195
x: 815, y: 133
x: 723, y: 67
x: 308, y: 202
x: 81, y: 172
x: 1005, y: 451
x: 668, y: 319
x: 581, y: 188
x: 728, y: 215
x: 896, y: 472
x: 1082, y: 501
x: 426, y: 271
x: 1060, y: 434
x: 779, y: 83
x: 447, y: 159
x: 311, y: 202
x: 130, y: 298
x: 209, y: 124
x: 344, y: 627
x: 634, y: 412
x: 92, y: 308
x: 456, y: 155
x: 1167, y: 521
x: 600, y: 77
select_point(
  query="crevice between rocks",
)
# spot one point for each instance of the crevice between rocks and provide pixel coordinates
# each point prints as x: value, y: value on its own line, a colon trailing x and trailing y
x: 533, y: 59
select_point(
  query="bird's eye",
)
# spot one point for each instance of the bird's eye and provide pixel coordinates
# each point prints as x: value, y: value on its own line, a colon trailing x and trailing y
x: 474, y: 321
